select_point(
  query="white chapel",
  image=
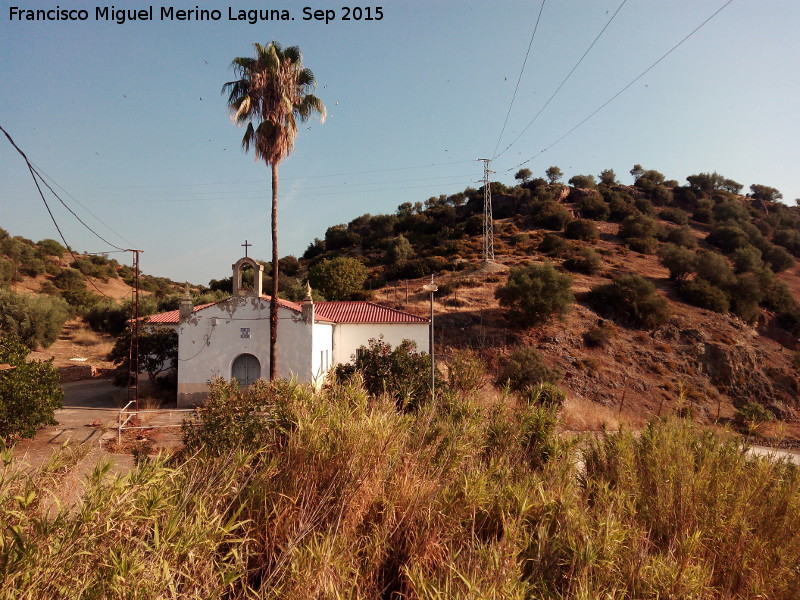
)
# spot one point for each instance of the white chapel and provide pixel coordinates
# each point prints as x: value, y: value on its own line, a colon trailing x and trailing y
x: 230, y: 338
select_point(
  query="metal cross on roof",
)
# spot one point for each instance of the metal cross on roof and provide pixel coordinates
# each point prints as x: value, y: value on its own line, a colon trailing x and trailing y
x: 246, y: 246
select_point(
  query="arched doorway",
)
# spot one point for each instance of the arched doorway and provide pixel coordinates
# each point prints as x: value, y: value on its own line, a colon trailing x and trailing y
x: 246, y: 369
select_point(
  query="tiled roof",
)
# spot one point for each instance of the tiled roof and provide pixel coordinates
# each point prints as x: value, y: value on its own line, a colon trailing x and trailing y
x: 332, y: 312
x: 363, y: 312
x: 172, y: 316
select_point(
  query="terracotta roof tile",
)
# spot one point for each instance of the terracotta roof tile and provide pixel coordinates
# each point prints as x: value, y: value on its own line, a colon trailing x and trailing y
x: 331, y: 312
x: 363, y: 312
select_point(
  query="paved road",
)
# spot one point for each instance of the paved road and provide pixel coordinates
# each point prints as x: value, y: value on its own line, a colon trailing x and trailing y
x: 90, y: 407
x: 792, y: 455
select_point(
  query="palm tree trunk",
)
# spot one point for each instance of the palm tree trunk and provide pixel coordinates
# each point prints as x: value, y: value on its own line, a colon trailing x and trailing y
x: 273, y: 305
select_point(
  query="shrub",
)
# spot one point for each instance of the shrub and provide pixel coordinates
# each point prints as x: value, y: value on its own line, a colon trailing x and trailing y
x: 551, y: 215
x: 621, y: 209
x: 108, y: 317
x: 700, y: 292
x: 777, y: 258
x: 554, y: 245
x: 51, y: 248
x: 535, y: 293
x: 545, y: 394
x: 713, y: 267
x: 679, y: 261
x: 595, y: 208
x: 6, y: 272
x: 338, y: 278
x: 465, y: 371
x: 524, y: 368
x: 682, y: 236
x: 600, y: 336
x: 639, y: 233
x: 644, y: 206
x: 33, y: 321
x: 584, y: 260
x: 789, y: 239
x: 746, y: 296
x: 747, y: 258
x: 582, y: 229
x: 231, y: 418
x: 29, y: 394
x: 403, y: 373
x: 728, y: 238
x: 675, y: 215
x: 630, y: 299
x: 790, y: 321
x: 751, y: 416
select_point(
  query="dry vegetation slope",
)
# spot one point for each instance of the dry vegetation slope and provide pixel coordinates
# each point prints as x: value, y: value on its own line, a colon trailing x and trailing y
x: 701, y: 362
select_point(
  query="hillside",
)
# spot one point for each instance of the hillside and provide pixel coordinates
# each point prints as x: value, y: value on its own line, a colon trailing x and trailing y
x: 734, y: 342
x: 50, y: 298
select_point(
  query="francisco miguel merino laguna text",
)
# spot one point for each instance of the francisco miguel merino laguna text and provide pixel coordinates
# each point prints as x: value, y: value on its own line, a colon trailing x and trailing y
x: 170, y: 13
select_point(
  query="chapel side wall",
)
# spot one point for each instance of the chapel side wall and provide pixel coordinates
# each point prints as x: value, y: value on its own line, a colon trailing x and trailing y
x: 348, y: 337
x: 207, y: 350
x: 321, y: 351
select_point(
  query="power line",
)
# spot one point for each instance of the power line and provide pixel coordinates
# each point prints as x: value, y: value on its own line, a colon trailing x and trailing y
x: 558, y: 89
x: 614, y: 97
x: 41, y: 172
x: 47, y: 206
x: 516, y: 88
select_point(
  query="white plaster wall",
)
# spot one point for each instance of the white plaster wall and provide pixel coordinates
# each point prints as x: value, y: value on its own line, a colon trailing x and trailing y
x: 348, y: 337
x: 211, y: 339
x: 322, y: 348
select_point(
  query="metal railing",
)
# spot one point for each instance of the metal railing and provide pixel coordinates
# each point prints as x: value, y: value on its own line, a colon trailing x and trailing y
x: 123, y: 420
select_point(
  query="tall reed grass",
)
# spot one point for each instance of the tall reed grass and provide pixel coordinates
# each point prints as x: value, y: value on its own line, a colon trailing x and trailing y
x: 339, y: 495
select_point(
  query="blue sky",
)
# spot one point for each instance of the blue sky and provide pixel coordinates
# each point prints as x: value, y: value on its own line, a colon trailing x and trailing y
x: 129, y: 120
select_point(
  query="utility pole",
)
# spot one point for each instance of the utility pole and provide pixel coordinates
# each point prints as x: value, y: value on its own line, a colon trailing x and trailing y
x: 133, y: 349
x: 488, y: 221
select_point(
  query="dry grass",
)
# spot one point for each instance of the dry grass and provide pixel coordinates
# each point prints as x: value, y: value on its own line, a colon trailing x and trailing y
x: 333, y: 494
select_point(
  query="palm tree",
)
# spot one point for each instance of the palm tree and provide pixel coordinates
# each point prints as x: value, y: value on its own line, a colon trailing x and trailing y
x: 270, y: 96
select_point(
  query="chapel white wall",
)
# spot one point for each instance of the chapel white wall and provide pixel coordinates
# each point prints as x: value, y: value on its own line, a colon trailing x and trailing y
x: 348, y: 337
x: 211, y: 339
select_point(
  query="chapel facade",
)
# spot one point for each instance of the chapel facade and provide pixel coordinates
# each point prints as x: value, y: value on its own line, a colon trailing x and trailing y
x: 230, y: 338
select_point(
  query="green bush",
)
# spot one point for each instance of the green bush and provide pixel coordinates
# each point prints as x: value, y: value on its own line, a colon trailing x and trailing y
x: 551, y: 215
x: 751, y: 416
x: 582, y: 229
x: 789, y: 239
x: 675, y: 215
x: 33, y: 321
x: 778, y: 258
x: 728, y: 237
x: 545, y: 394
x: 639, y: 233
x: 746, y: 296
x: 554, y: 245
x: 704, y: 294
x: 594, y: 208
x: 747, y: 258
x: 109, y: 317
x: 585, y: 261
x: 50, y: 247
x: 536, y: 293
x: 524, y: 368
x: 6, y: 272
x: 403, y: 373
x: 587, y: 182
x: 338, y: 278
x: 682, y: 236
x: 679, y: 261
x: 630, y: 299
x: 713, y: 267
x: 29, y: 394
x: 600, y: 336
x: 231, y: 418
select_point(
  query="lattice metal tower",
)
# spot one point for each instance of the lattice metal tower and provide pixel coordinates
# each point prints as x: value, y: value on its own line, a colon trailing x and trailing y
x: 488, y: 221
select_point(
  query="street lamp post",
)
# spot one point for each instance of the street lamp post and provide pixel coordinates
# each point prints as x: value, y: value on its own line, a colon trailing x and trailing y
x: 432, y: 287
